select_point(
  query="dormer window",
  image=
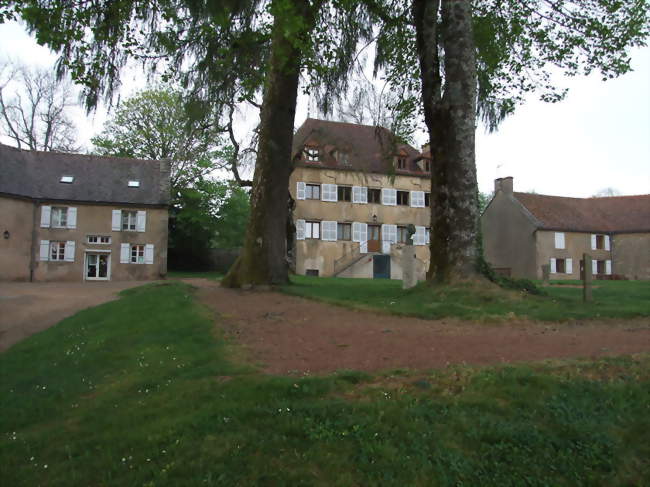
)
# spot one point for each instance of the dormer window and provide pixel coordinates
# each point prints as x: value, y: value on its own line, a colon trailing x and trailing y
x: 427, y: 165
x: 134, y: 184
x: 342, y: 158
x: 67, y: 179
x: 401, y: 162
x: 312, y: 154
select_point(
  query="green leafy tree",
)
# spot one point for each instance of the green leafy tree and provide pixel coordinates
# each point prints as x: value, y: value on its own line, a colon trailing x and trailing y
x: 154, y: 124
x: 479, y: 59
x: 223, y: 52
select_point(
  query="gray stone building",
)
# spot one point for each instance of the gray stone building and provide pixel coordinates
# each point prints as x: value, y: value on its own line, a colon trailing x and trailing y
x: 523, y: 231
x: 73, y: 217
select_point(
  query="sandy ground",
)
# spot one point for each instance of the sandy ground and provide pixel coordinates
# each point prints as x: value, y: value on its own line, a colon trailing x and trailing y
x: 29, y: 307
x: 290, y: 335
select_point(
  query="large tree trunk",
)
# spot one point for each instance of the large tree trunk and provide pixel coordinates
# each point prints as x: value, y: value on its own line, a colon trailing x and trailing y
x: 263, y: 259
x: 450, y: 118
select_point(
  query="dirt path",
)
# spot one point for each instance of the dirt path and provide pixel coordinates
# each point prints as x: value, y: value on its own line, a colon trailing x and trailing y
x: 287, y: 334
x: 29, y: 307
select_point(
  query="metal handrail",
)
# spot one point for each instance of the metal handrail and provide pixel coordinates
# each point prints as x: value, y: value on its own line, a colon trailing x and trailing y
x: 355, y: 252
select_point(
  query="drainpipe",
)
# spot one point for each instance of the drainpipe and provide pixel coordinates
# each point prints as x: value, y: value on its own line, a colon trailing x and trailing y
x: 32, y: 259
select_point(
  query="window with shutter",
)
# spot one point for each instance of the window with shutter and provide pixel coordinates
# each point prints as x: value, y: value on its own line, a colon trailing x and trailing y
x: 388, y: 196
x: 328, y: 231
x: 72, y: 217
x: 46, y: 212
x: 343, y: 231
x: 45, y: 251
x: 312, y: 230
x: 359, y: 194
x: 329, y: 192
x: 417, y: 199
x: 553, y: 266
x: 300, y: 190
x: 312, y: 191
x: 608, y: 267
x: 374, y: 195
x: 300, y: 229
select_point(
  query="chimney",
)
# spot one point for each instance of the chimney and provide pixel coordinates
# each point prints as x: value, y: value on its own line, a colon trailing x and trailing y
x: 506, y: 185
x: 425, y: 148
x: 503, y: 184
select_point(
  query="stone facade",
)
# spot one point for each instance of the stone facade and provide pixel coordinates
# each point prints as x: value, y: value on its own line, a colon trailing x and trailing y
x: 346, y: 203
x: 70, y: 237
x: 522, y: 232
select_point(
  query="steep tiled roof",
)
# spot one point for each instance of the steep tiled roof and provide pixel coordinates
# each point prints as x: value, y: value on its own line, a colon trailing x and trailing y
x: 35, y: 174
x: 368, y: 148
x: 610, y: 214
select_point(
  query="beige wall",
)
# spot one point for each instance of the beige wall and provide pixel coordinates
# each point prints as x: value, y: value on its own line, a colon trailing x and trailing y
x: 16, y: 217
x: 509, y: 237
x: 575, y: 243
x: 631, y: 255
x: 321, y: 255
x: 97, y: 220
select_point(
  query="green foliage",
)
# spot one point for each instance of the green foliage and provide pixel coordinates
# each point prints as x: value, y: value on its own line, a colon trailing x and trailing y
x: 155, y: 124
x: 212, y: 214
x: 145, y: 391
x: 479, y: 301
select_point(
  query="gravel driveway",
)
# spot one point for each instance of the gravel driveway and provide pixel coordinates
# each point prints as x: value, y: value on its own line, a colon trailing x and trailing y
x: 29, y: 307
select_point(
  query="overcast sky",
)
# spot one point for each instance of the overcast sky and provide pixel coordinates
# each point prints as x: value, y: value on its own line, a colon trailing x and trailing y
x: 598, y: 137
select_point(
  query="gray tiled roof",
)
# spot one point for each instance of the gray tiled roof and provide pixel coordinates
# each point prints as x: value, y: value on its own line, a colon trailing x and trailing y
x: 35, y: 174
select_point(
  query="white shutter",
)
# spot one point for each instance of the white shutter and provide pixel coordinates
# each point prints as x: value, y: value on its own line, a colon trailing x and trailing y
x: 607, y: 247
x: 300, y: 229
x: 356, y: 232
x: 419, y: 237
x: 45, y: 216
x: 417, y: 199
x: 141, y: 221
x: 363, y: 248
x: 45, y: 250
x: 427, y: 236
x: 117, y: 220
x: 559, y: 240
x: 125, y: 250
x: 608, y: 267
x: 148, y: 254
x: 593, y: 242
x: 553, y: 266
x: 300, y: 190
x: 328, y: 231
x: 328, y: 192
x: 388, y: 196
x: 72, y: 217
x: 594, y: 267
x: 359, y: 194
x: 69, y: 251
x: 569, y: 266
x: 388, y: 237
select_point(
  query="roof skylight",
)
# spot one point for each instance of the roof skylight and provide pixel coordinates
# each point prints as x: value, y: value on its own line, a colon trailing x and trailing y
x: 66, y: 179
x: 134, y: 184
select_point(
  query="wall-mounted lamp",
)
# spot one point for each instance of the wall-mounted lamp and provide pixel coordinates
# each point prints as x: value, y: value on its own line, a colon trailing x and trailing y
x: 374, y: 218
x: 6, y: 235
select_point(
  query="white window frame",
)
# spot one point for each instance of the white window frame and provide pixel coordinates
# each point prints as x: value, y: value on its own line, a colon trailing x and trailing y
x: 129, y: 218
x: 329, y: 192
x: 328, y: 231
x: 99, y: 239
x: 139, y: 249
x: 389, y: 196
x: 560, y: 240
x: 57, y: 251
x: 312, y: 230
x: 408, y: 197
x: 59, y: 217
x: 417, y: 199
x: 312, y: 154
x: 341, y: 225
x: 309, y: 188
x: 359, y: 194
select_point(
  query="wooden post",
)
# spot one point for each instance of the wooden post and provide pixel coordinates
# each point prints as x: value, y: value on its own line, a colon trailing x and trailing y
x: 546, y: 272
x: 586, y: 282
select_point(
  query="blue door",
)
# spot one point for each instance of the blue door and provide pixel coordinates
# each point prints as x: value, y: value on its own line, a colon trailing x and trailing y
x: 381, y: 266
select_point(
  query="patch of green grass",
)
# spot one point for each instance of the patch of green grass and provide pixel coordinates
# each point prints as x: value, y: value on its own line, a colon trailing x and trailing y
x: 611, y: 299
x: 214, y: 275
x: 144, y: 391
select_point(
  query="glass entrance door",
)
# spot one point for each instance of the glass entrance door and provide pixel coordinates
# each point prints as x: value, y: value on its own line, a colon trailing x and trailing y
x: 97, y: 266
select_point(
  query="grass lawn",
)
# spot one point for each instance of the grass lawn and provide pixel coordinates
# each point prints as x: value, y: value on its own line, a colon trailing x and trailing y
x: 145, y: 391
x: 616, y: 299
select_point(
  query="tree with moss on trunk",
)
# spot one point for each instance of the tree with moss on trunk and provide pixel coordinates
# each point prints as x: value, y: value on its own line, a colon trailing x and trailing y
x: 478, y: 60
